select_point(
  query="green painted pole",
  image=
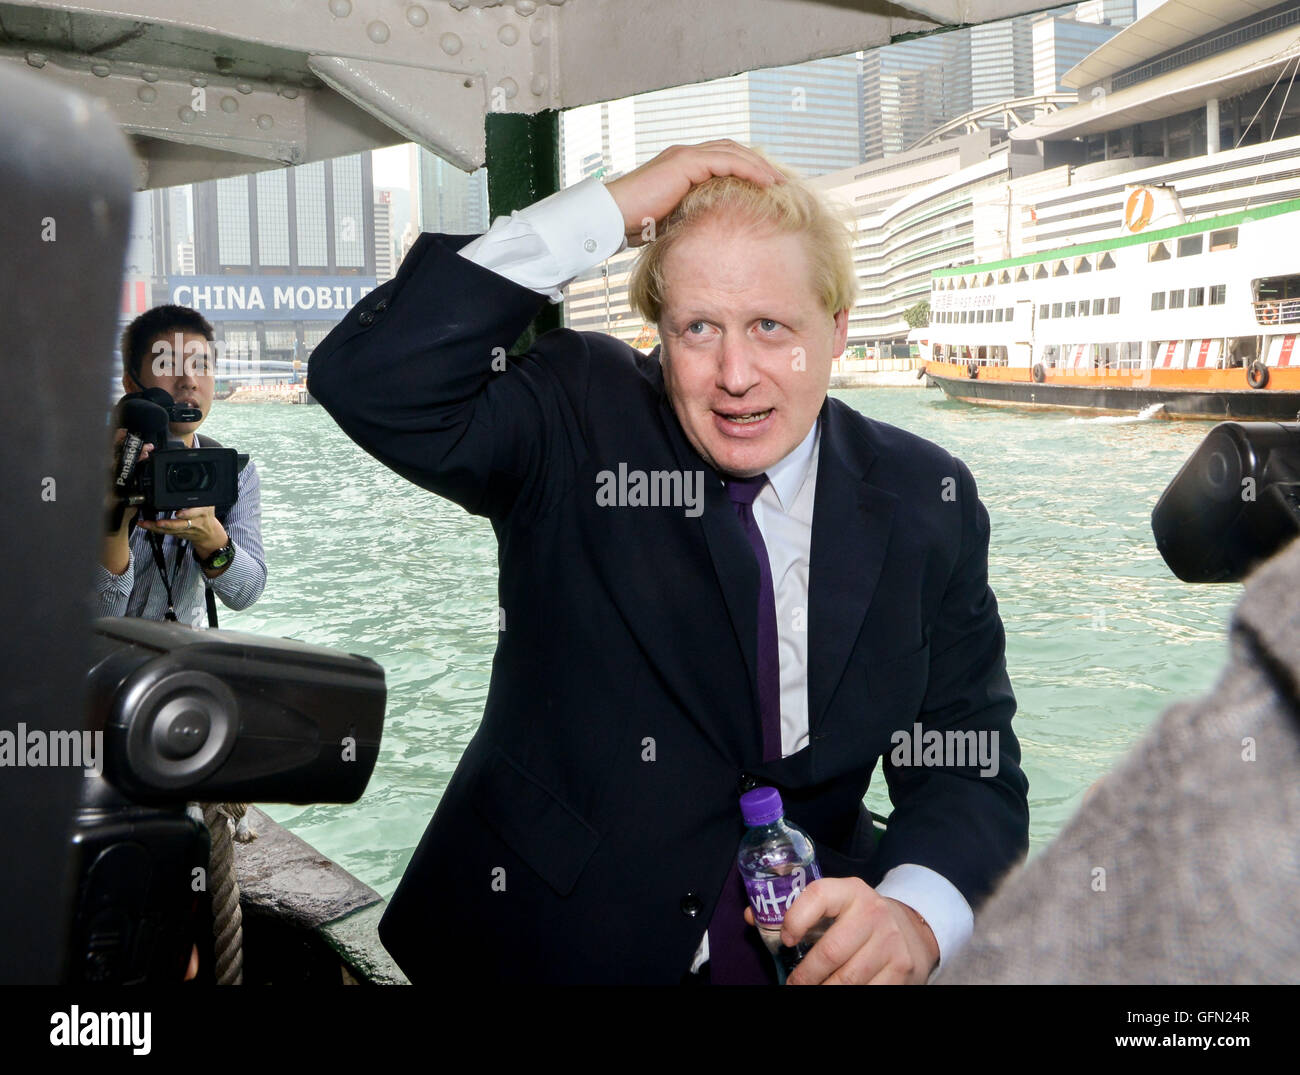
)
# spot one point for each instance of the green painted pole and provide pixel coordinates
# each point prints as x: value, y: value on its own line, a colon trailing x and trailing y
x: 523, y: 163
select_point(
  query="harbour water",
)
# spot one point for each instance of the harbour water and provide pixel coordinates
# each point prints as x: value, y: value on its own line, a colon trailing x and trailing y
x: 1100, y: 636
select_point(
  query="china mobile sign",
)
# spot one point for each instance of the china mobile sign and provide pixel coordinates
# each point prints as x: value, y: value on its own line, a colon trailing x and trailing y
x: 270, y: 298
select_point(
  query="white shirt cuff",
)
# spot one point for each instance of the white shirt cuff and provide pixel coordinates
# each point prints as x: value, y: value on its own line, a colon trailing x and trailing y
x: 937, y: 900
x: 548, y: 244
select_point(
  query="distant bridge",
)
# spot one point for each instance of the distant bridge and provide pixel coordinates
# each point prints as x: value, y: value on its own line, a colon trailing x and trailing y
x: 1007, y: 114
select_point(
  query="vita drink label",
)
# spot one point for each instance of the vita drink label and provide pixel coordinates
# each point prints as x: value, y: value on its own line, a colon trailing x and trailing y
x: 771, y: 897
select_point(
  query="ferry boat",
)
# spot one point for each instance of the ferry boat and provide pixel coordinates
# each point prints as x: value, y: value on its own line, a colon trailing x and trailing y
x: 1194, y: 320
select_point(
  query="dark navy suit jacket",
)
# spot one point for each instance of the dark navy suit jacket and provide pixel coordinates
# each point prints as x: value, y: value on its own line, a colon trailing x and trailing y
x: 588, y: 829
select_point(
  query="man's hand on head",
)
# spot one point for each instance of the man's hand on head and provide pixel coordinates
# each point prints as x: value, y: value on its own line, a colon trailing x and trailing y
x: 651, y: 192
x: 874, y: 940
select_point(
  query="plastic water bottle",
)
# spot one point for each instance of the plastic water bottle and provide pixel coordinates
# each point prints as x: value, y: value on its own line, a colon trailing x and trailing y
x: 777, y: 862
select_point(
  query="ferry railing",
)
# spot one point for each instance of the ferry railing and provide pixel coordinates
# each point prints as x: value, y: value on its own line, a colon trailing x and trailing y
x: 1277, y: 311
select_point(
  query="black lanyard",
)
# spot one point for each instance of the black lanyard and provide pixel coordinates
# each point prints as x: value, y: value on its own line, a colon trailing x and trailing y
x: 156, y: 543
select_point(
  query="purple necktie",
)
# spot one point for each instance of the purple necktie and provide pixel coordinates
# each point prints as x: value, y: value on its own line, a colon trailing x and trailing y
x: 736, y: 954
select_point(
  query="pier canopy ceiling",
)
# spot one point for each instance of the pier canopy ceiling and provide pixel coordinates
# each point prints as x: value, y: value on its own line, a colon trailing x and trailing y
x: 1182, y: 90
x: 208, y: 89
x: 1164, y: 29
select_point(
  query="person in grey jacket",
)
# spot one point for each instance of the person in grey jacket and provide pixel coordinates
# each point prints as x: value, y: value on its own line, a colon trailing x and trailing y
x: 1183, y: 866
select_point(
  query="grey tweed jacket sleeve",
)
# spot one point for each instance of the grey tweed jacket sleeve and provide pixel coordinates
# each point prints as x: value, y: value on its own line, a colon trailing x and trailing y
x: 1184, y: 865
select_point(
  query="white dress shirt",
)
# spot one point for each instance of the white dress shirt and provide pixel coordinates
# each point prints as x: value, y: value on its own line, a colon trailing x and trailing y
x: 544, y: 247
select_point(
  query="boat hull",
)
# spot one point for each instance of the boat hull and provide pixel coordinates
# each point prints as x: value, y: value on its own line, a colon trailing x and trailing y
x: 999, y: 386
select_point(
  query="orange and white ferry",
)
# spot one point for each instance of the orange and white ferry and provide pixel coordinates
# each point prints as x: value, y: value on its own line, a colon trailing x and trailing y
x: 1194, y: 320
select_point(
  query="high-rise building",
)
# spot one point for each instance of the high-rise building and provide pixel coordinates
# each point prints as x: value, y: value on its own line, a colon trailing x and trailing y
x: 184, y: 259
x: 448, y: 200
x: 1059, y: 44
x: 911, y: 88
x: 141, y: 271
x: 281, y: 255
x: 1001, y: 61
x: 805, y: 116
x: 1114, y: 13
x: 384, y: 267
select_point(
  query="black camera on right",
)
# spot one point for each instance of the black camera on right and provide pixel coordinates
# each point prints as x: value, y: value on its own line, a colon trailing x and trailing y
x: 1234, y: 503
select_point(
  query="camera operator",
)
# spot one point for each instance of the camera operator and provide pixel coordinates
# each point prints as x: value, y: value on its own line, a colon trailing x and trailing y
x: 169, y: 347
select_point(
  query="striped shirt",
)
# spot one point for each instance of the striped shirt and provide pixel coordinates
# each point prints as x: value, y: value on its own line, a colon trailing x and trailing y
x: 139, y: 591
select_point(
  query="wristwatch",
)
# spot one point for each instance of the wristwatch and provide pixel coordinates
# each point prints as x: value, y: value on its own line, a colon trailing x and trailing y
x: 219, y: 559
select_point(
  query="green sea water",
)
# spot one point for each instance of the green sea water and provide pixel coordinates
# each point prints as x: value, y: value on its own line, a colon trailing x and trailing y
x: 1100, y: 636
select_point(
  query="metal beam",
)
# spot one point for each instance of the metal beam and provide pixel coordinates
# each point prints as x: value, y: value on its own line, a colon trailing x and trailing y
x: 290, y: 81
x: 523, y: 163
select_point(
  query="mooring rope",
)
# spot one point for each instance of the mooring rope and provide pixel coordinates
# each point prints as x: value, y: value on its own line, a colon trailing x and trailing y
x: 227, y: 918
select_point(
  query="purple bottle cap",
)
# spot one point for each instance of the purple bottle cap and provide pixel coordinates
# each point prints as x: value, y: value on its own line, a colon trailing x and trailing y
x: 761, y: 806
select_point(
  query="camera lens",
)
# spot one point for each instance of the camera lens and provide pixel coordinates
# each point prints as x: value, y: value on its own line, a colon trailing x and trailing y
x: 189, y: 477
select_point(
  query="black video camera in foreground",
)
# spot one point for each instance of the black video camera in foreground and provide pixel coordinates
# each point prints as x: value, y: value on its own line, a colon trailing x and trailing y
x: 173, y: 476
x: 1235, y: 502
x: 208, y: 716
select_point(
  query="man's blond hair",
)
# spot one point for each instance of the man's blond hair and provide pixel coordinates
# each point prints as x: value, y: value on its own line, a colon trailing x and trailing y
x: 792, y: 207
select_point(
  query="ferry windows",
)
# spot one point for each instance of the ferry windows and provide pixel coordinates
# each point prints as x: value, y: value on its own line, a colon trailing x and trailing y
x: 1083, y: 308
x: 988, y: 279
x: 1196, y: 296
x: 1190, y: 244
x: 1157, y: 300
x: 1158, y: 252
x: 1043, y: 310
x: 961, y: 283
x: 1098, y: 307
x: 1022, y: 276
x: 1083, y: 265
x: 1061, y: 269
x: 1225, y: 239
x: 1004, y: 277
x: 1112, y: 305
x: 1010, y: 312
x: 1041, y: 273
x: 1218, y: 294
x: 1106, y: 262
x: 1056, y: 309
x: 1069, y: 309
x: 999, y: 314
x: 1176, y: 299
